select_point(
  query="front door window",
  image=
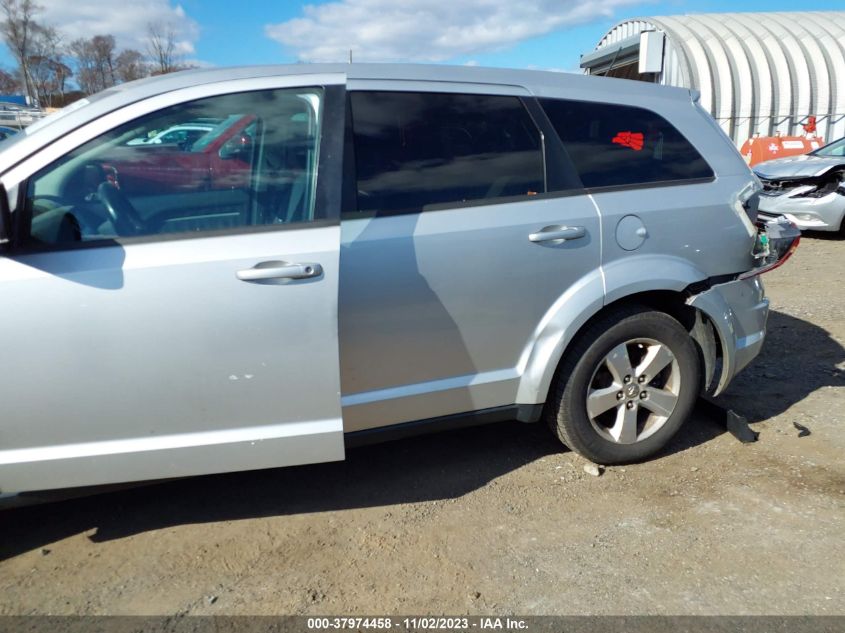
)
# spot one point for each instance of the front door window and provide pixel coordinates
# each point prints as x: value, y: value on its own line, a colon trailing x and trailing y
x: 221, y: 163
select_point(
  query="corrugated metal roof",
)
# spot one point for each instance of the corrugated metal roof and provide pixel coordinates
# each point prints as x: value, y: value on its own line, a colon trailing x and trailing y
x: 757, y: 72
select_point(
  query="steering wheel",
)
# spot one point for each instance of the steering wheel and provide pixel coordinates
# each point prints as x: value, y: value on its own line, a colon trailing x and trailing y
x: 122, y: 214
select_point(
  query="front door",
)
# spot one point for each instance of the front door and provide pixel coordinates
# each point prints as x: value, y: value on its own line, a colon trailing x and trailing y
x: 152, y: 332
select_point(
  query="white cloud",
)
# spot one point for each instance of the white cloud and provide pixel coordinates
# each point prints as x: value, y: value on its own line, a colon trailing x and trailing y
x: 427, y: 30
x: 126, y: 21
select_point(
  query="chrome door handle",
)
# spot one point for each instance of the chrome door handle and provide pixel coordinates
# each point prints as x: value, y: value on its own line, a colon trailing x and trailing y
x: 279, y: 270
x: 558, y: 233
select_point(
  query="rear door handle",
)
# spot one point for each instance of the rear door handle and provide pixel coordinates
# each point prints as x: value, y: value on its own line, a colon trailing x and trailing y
x: 558, y: 233
x: 279, y: 270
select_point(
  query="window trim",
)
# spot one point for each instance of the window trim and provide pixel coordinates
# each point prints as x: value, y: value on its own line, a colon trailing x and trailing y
x: 557, y: 161
x: 32, y: 249
x: 466, y: 204
x: 657, y: 184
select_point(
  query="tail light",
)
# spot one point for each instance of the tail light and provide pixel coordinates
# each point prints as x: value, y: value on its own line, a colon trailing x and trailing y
x: 776, y: 241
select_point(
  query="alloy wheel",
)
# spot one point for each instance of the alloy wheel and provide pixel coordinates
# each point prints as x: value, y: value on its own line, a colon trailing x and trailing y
x: 633, y: 391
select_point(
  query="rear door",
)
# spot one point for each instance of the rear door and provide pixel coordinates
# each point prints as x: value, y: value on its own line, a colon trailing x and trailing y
x: 468, y: 231
x: 151, y: 334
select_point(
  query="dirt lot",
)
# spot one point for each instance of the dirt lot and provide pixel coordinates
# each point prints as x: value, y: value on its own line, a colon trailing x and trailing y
x: 493, y: 520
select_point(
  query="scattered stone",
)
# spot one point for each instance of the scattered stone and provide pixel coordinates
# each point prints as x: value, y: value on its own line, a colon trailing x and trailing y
x: 45, y: 551
x: 211, y: 599
x: 476, y: 595
x: 593, y: 469
x: 694, y: 469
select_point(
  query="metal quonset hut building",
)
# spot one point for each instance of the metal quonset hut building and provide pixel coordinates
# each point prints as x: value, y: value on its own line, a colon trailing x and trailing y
x: 756, y: 72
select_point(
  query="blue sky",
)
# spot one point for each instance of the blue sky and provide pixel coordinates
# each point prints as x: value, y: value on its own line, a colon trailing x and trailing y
x: 511, y: 33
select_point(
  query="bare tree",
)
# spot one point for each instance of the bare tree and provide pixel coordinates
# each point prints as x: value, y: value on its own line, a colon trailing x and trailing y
x: 130, y: 65
x: 8, y: 83
x: 48, y: 72
x: 103, y: 47
x: 85, y: 60
x: 17, y: 28
x: 161, y: 48
x: 62, y: 73
x: 49, y: 77
x: 96, y: 65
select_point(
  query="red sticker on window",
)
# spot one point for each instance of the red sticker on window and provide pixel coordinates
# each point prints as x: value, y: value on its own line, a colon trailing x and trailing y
x: 634, y: 140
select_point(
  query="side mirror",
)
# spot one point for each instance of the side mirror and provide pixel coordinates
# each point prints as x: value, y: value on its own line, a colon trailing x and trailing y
x: 5, y: 220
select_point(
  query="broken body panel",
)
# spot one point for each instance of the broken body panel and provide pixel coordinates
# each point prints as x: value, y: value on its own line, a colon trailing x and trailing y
x: 808, y: 190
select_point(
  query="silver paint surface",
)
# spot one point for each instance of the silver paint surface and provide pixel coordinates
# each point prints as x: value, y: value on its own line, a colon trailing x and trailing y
x: 153, y: 360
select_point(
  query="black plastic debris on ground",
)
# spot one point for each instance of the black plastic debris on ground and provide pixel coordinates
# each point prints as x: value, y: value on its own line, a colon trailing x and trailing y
x: 738, y: 427
x: 736, y: 424
x: 803, y: 431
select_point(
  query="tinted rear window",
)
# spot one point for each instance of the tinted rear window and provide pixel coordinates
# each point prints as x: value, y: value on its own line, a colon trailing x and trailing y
x: 413, y: 150
x: 615, y: 145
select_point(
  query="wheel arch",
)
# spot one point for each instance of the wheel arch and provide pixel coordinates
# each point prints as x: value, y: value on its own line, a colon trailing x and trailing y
x: 537, y: 382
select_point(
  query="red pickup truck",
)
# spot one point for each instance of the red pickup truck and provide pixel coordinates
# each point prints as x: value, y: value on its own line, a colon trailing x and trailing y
x: 221, y: 159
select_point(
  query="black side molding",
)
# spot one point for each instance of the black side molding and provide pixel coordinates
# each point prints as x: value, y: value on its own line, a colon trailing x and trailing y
x: 520, y: 412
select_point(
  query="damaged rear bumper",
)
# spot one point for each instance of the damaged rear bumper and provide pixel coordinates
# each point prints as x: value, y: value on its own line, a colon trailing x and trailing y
x: 738, y: 311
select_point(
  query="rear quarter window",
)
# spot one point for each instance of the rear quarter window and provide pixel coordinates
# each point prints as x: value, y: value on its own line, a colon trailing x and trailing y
x: 617, y: 145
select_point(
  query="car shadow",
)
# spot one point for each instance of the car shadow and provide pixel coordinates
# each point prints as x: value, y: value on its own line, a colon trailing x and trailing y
x: 100, y: 267
x: 829, y: 236
x: 434, y: 467
x: 798, y: 358
x: 706, y: 424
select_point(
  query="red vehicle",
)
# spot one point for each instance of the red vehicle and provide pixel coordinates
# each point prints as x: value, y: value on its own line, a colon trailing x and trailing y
x: 221, y: 159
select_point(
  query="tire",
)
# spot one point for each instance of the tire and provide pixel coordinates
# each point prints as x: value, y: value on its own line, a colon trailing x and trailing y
x: 599, y: 415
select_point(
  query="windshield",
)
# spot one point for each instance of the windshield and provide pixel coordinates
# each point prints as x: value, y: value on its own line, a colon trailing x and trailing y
x: 837, y: 148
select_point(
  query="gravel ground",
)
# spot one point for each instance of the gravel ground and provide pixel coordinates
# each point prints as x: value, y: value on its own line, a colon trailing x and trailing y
x: 493, y: 520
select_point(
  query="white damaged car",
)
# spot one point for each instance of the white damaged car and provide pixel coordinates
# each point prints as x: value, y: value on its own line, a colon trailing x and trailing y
x: 809, y: 189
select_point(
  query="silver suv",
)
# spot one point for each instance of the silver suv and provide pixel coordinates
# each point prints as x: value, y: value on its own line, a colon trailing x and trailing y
x: 352, y: 250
